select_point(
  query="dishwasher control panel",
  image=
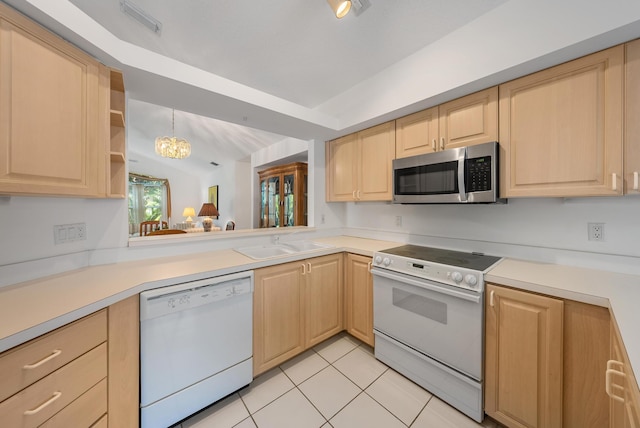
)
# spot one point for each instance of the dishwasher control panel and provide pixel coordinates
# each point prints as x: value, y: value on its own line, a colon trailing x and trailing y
x: 175, y: 298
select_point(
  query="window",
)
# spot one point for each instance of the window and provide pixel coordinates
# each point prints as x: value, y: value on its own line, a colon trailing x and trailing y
x: 149, y: 200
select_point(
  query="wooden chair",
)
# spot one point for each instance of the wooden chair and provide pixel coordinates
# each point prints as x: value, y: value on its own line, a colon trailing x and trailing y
x: 165, y: 232
x: 149, y: 226
x: 231, y: 225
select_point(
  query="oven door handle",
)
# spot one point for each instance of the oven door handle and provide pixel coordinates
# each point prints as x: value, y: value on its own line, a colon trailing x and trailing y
x: 426, y: 285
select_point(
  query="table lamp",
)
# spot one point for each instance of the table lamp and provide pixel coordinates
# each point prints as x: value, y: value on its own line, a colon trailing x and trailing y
x: 207, y: 211
x: 188, y: 213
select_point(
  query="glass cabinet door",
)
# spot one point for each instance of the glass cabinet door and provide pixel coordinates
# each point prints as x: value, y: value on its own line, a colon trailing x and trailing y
x: 273, y: 201
x: 288, y: 218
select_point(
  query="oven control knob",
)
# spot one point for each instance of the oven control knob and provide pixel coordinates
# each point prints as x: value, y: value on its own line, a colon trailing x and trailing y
x: 378, y: 260
x: 471, y: 280
x: 457, y: 277
x: 386, y: 261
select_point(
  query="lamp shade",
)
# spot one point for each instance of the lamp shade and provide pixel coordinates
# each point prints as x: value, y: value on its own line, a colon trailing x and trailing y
x: 340, y: 7
x: 208, y: 210
x: 189, y: 212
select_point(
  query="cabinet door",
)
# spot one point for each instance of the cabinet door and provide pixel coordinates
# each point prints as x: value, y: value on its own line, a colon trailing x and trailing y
x: 417, y: 133
x: 625, y: 407
x: 586, y: 351
x: 377, y: 150
x: 50, y: 113
x: 359, y: 291
x: 561, y: 129
x: 342, y: 168
x: 278, y: 323
x: 523, y: 365
x: 469, y: 120
x: 323, y: 298
x: 631, y: 123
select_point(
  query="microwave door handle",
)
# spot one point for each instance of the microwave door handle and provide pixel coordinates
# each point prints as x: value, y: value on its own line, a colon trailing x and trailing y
x: 461, y: 186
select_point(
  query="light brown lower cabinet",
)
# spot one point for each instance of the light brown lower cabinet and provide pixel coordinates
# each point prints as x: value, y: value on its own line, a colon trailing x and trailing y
x: 76, y: 375
x: 359, y: 298
x: 544, y: 360
x: 295, y: 306
x: 621, y: 386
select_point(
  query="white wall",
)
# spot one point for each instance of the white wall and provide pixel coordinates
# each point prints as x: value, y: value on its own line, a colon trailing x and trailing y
x: 224, y: 176
x: 26, y: 226
x: 548, y: 230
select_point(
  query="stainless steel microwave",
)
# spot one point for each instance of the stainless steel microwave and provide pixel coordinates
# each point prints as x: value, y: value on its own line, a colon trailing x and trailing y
x: 464, y: 175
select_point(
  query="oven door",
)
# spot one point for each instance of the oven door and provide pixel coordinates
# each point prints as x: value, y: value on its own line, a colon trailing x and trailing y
x: 440, y: 321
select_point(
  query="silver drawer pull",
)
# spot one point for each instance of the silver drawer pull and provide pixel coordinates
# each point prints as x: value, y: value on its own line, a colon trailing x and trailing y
x: 55, y: 353
x: 56, y: 395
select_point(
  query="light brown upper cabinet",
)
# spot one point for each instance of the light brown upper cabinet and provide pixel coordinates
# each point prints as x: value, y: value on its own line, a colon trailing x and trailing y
x: 632, y: 123
x: 54, y: 113
x: 359, y: 165
x: 465, y: 121
x: 561, y: 129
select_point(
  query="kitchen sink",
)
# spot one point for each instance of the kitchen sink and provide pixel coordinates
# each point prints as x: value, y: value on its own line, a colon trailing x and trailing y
x: 305, y: 245
x: 261, y: 252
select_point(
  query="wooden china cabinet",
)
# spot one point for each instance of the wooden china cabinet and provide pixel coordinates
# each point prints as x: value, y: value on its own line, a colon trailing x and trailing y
x: 283, y: 195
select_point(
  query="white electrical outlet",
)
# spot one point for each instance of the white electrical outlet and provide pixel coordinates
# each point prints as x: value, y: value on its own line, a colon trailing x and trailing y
x: 398, y: 220
x: 596, y: 231
x: 63, y: 233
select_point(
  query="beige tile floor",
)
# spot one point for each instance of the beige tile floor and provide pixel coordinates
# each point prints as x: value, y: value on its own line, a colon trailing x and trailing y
x: 337, y: 384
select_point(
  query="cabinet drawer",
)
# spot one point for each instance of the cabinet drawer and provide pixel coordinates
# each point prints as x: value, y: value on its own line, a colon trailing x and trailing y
x: 40, y: 401
x: 84, y: 411
x: 26, y: 364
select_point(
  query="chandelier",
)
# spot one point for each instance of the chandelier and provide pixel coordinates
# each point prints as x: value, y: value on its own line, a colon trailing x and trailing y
x: 172, y: 147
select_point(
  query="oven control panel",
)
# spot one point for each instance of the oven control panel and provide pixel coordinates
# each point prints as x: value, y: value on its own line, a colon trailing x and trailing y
x: 450, y: 275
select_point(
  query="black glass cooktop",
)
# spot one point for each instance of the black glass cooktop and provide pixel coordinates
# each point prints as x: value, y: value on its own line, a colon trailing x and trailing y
x: 474, y: 261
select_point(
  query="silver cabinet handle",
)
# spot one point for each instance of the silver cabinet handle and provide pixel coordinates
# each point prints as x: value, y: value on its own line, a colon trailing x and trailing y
x: 354, y: 194
x: 304, y: 269
x: 491, y: 303
x: 442, y: 143
x: 369, y: 267
x: 609, y: 385
x: 53, y: 355
x: 358, y: 197
x: 635, y: 180
x: 614, y: 181
x: 56, y: 395
x: 433, y: 144
x: 309, y: 265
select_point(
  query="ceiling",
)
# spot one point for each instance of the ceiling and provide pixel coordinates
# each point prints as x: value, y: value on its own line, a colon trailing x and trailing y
x: 243, y: 75
x: 296, y: 50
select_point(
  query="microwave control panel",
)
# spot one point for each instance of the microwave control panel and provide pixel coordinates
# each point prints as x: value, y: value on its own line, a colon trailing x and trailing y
x: 478, y: 174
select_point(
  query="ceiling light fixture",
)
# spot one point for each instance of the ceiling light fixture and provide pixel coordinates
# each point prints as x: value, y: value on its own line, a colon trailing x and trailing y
x: 340, y: 7
x: 172, y: 147
x: 134, y: 11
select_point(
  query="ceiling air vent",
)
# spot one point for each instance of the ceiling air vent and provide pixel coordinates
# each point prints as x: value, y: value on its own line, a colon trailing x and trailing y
x: 141, y: 16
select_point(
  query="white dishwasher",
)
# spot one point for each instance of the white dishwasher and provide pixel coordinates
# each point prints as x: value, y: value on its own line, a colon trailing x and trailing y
x: 195, y: 346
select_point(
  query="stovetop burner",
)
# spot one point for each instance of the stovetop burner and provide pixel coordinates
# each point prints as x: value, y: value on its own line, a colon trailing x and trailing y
x: 474, y: 261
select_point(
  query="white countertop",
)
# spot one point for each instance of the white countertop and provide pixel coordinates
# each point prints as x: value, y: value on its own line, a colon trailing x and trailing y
x: 32, y: 308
